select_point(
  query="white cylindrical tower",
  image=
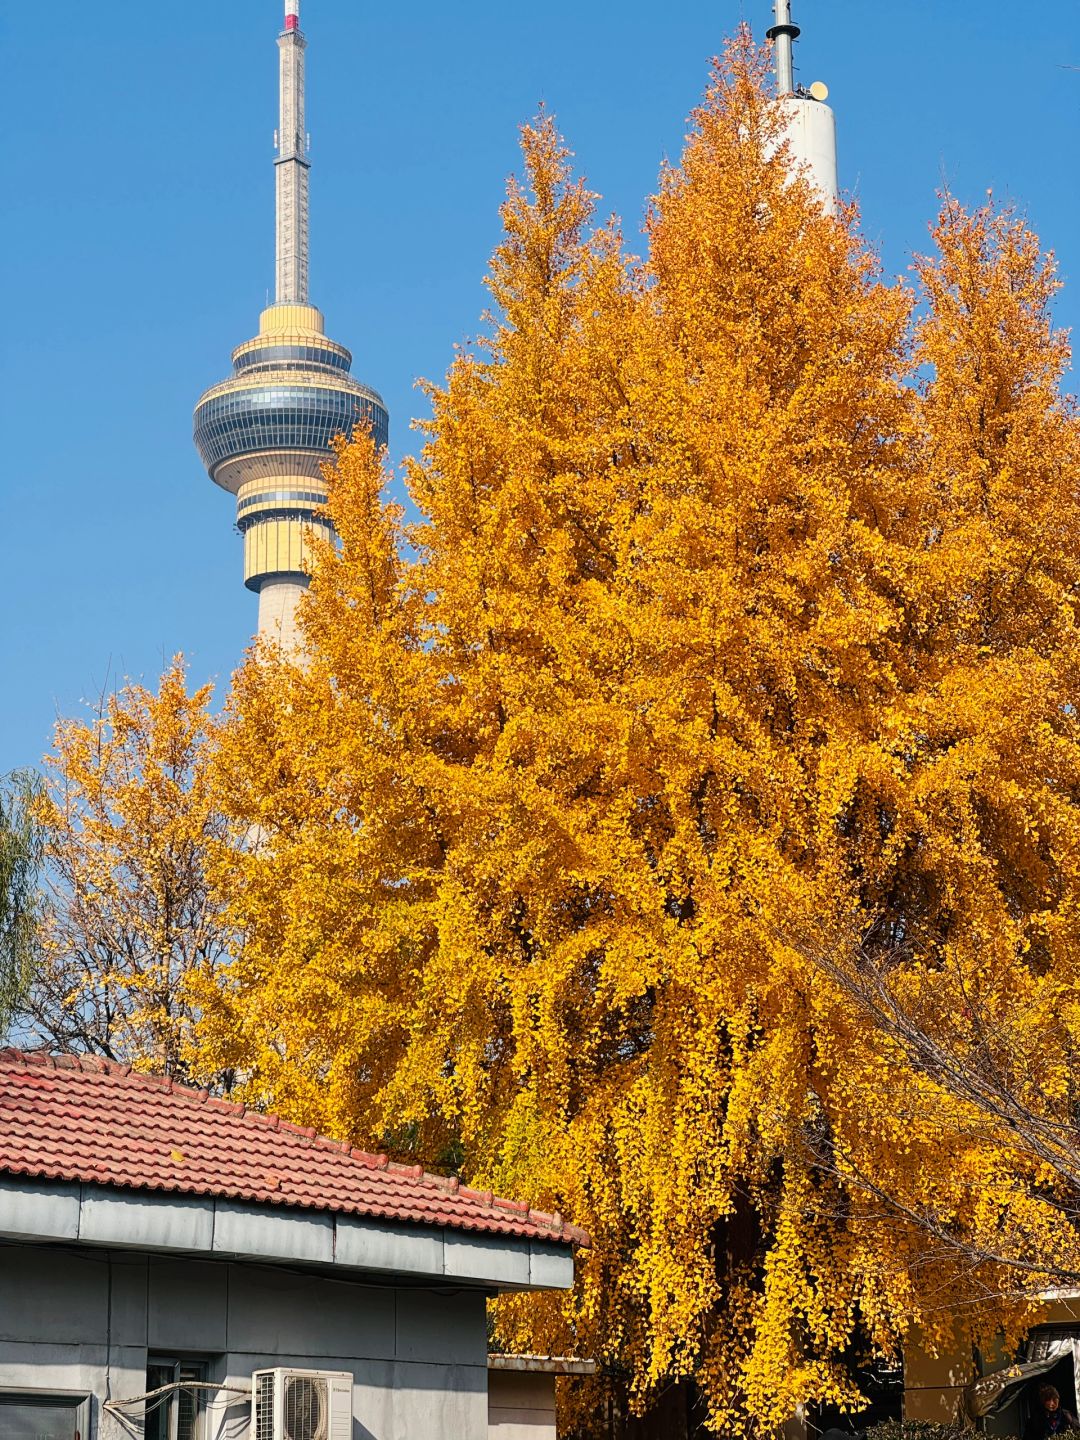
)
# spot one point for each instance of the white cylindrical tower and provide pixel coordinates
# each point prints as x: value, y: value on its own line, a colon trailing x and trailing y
x: 811, y: 124
x: 811, y: 131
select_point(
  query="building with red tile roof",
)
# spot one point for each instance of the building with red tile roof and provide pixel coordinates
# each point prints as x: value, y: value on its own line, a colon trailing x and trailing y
x: 162, y: 1251
x: 81, y: 1118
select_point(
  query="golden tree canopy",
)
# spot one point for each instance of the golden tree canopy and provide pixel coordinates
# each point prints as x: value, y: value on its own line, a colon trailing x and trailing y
x: 741, y: 621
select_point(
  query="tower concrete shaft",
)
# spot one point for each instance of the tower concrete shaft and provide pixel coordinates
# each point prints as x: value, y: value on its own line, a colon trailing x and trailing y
x: 292, y: 166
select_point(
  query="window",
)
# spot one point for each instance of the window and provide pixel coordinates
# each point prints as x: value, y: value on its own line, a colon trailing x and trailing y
x: 44, y: 1417
x: 1052, y: 1340
x: 177, y: 1414
x: 289, y: 357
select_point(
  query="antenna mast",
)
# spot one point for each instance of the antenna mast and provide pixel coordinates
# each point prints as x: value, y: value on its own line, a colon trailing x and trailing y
x: 809, y: 125
x: 783, y: 34
x: 292, y: 166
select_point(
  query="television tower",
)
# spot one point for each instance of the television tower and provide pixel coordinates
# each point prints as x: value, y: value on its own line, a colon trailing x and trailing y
x: 264, y: 434
x: 811, y: 124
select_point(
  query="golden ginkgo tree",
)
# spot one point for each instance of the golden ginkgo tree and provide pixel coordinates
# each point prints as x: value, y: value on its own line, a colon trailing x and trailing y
x: 127, y: 825
x: 735, y: 651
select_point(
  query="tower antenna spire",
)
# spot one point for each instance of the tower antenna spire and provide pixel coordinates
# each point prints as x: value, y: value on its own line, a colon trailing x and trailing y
x: 292, y: 166
x: 783, y: 35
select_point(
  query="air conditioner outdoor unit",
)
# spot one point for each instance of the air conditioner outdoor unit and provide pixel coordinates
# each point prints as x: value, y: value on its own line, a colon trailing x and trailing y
x: 301, y: 1405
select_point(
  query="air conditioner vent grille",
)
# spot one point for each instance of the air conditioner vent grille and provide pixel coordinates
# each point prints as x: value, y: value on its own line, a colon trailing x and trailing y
x: 264, y: 1406
x: 306, y: 1408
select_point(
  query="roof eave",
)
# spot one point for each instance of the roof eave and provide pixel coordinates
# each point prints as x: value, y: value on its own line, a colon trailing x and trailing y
x: 165, y: 1223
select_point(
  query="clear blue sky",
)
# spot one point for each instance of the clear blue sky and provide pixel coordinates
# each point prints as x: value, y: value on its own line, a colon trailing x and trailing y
x: 137, y: 245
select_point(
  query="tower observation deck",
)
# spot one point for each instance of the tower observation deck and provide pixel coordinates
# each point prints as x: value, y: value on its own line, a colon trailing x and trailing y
x: 264, y: 433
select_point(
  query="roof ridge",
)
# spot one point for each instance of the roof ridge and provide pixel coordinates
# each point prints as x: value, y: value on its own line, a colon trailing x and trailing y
x: 100, y: 1065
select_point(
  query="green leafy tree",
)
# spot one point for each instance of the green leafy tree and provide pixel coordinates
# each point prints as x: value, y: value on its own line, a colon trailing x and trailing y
x: 20, y: 862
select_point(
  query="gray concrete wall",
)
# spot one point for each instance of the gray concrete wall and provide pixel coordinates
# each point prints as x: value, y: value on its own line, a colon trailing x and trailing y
x: 83, y: 1321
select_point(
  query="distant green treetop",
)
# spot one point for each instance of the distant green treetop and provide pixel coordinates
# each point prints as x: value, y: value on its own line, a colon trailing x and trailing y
x: 21, y: 846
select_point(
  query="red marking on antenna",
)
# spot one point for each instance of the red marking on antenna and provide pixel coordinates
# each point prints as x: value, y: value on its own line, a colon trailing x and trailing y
x: 292, y: 22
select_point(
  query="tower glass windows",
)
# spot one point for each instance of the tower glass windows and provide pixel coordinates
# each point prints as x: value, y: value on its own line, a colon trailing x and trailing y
x: 291, y: 357
x: 281, y: 417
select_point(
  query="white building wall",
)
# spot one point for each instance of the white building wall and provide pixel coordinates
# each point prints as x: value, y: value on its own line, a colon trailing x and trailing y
x: 84, y: 1322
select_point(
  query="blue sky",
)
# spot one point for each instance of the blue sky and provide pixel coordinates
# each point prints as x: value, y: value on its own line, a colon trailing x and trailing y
x: 138, y: 242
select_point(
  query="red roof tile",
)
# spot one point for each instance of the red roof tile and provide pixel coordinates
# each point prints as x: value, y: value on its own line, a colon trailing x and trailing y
x: 79, y: 1118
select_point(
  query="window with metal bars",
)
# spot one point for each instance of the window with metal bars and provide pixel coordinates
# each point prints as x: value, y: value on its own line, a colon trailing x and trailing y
x: 177, y: 1414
